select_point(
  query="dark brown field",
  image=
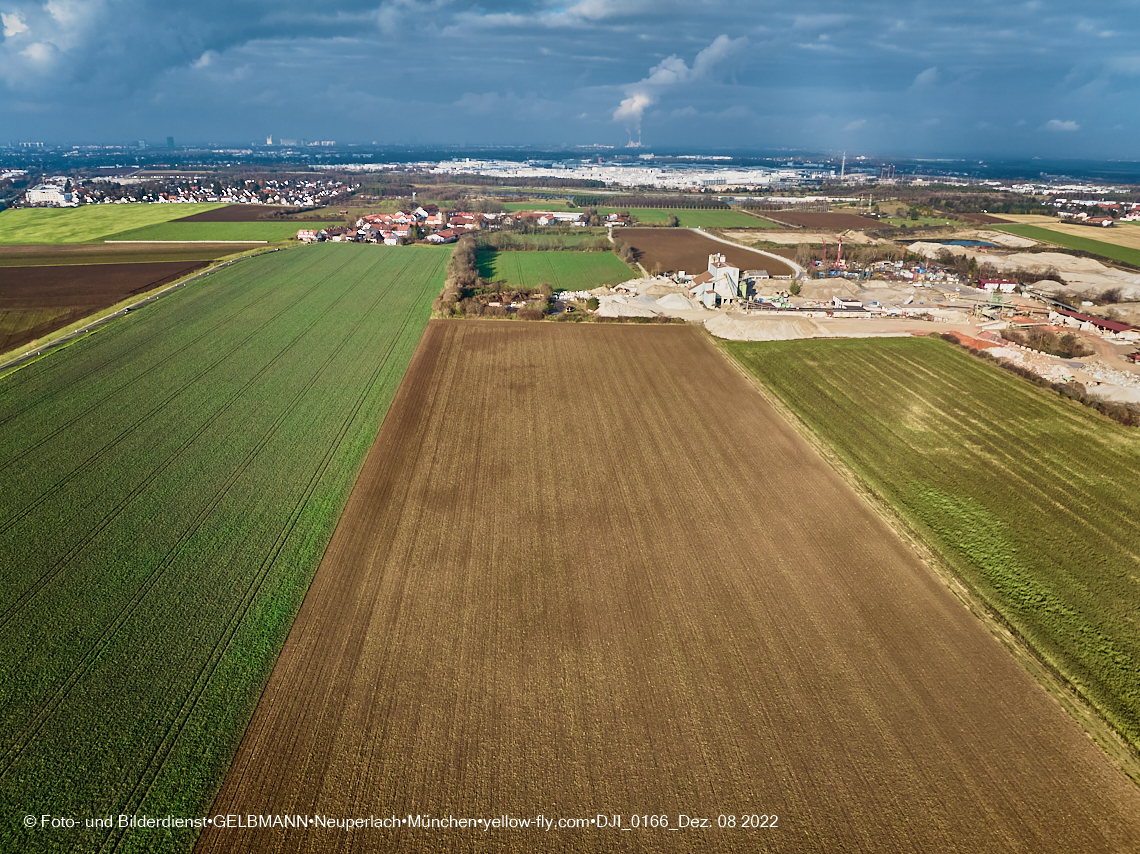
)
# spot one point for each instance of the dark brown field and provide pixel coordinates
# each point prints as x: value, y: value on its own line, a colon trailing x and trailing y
x: 809, y: 219
x: 587, y: 570
x: 244, y: 213
x: 681, y: 249
x: 37, y: 300
x: 56, y: 255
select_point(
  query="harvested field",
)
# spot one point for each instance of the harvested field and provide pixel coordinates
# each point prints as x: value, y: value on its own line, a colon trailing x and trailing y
x: 810, y: 219
x: 37, y: 300
x: 1101, y: 242
x: 686, y: 250
x: 557, y: 590
x: 108, y: 253
x: 979, y: 218
x: 169, y: 485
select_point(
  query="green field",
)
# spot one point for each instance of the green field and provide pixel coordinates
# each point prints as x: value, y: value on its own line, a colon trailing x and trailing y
x: 509, y: 240
x: 206, y: 231
x: 1030, y: 498
x: 86, y: 223
x: 695, y: 218
x: 570, y: 271
x: 1069, y: 241
x: 537, y: 206
x: 170, y: 484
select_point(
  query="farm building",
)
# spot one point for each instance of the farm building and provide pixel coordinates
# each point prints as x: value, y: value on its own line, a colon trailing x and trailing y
x: 1088, y: 323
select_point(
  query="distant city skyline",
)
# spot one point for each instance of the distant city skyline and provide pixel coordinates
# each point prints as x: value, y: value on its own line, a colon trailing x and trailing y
x: 1039, y: 78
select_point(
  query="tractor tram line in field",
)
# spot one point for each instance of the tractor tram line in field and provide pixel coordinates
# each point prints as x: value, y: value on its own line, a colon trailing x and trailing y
x: 176, y: 727
x: 235, y: 574
x: 488, y: 631
x: 99, y: 644
x: 142, y: 345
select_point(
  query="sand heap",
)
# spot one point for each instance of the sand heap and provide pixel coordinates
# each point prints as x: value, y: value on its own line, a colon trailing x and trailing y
x: 677, y: 302
x: 737, y: 327
x: 623, y: 306
x: 1082, y: 275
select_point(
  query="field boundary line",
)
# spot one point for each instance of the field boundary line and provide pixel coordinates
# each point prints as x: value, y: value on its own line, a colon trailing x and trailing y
x: 174, y: 729
x: 1099, y: 731
x: 186, y: 241
x: 107, y: 315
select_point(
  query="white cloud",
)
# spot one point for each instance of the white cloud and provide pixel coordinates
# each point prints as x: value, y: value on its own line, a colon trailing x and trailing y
x: 38, y: 52
x: 926, y: 78
x: 1061, y: 127
x: 64, y: 11
x: 855, y: 125
x: 631, y: 109
x: 13, y: 24
x: 205, y: 59
x: 671, y: 72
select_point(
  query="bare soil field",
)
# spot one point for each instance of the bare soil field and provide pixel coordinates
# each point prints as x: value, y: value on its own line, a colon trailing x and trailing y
x: 56, y: 255
x: 679, y: 249
x: 1125, y: 234
x: 793, y: 238
x: 37, y: 300
x: 568, y: 590
x: 810, y: 219
x: 243, y: 213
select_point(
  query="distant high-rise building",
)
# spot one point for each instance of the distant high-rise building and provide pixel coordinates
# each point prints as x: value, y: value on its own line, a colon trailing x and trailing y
x: 269, y: 140
x: 142, y: 143
x: 170, y: 142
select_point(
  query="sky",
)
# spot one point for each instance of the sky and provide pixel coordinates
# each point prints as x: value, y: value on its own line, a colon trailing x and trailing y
x: 915, y: 79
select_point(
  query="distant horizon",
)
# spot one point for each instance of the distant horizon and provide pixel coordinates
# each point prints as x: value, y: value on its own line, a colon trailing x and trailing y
x: 1039, y: 78
x: 972, y: 167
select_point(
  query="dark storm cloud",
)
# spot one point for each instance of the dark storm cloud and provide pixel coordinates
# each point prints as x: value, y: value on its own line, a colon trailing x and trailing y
x: 1031, y: 77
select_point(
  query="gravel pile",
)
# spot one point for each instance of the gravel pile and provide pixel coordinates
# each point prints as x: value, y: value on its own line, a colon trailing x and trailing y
x: 751, y: 328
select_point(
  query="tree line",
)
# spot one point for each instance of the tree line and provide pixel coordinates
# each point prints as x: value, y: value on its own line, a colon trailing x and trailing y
x: 679, y: 202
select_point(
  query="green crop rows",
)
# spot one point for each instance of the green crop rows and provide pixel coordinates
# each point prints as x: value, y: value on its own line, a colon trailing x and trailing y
x: 170, y: 484
x: 270, y: 231
x: 561, y: 270
x: 86, y: 223
x: 690, y: 218
x: 1071, y: 241
x: 1029, y: 497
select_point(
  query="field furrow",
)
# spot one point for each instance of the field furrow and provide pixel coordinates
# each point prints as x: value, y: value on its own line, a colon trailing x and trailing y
x: 587, y: 569
x: 178, y: 558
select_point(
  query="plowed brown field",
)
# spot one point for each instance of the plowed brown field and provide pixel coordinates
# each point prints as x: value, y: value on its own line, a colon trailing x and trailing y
x: 37, y: 300
x: 238, y: 213
x: 819, y: 219
x: 681, y: 249
x: 565, y: 589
